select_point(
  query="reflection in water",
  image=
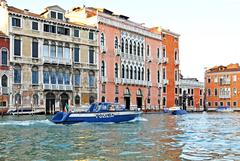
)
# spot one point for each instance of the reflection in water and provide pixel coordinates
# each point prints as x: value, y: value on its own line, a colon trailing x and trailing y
x: 157, y: 137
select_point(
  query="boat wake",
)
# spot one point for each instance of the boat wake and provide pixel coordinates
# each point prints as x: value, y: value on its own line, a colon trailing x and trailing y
x: 26, y: 123
x: 139, y: 119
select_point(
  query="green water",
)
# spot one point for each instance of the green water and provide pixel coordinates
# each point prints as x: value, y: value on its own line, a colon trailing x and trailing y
x: 210, y: 136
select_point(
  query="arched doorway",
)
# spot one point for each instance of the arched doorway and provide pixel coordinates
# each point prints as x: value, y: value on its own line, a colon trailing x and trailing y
x: 103, y: 99
x: 127, y: 98
x: 139, y: 98
x: 63, y: 101
x: 50, y: 103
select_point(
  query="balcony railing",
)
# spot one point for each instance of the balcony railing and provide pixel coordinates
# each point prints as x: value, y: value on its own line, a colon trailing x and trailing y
x: 177, y: 62
x: 162, y: 60
x: 5, y: 90
x: 165, y: 81
x: 57, y: 61
x: 225, y: 82
x: 104, y: 79
x: 225, y: 96
x: 58, y: 87
x: 118, y: 80
x: 117, y: 52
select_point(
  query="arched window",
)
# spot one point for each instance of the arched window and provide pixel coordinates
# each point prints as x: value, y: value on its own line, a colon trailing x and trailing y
x: 35, y: 99
x: 142, y: 73
x: 76, y: 53
x: 130, y: 47
x: 35, y: 48
x: 134, y: 48
x: 148, y: 50
x: 116, y: 70
x: 123, y: 71
x: 126, y: 46
x: 4, y: 81
x: 34, y: 75
x: 53, y: 76
x: 139, y: 73
x: 18, y: 99
x: 77, y: 100
x: 91, y: 55
x: 131, y: 72
x: 67, y: 77
x: 116, y: 42
x: 4, y: 57
x: 53, y: 51
x: 176, y: 55
x: 142, y: 49
x: 135, y: 73
x: 91, y: 77
x: 67, y: 53
x: 60, y: 51
x: 103, y: 69
x: 60, y: 76
x: 77, y: 78
x: 102, y: 40
x: 17, y: 74
x: 122, y: 46
x: 158, y: 76
x: 138, y: 49
x: 127, y: 72
x: 148, y: 75
x: 46, y: 76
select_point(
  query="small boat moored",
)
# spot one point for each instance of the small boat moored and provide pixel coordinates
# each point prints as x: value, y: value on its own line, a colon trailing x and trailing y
x: 97, y: 112
x: 224, y: 109
x: 175, y: 111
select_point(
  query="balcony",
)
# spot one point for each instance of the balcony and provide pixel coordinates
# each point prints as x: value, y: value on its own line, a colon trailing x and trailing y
x: 118, y: 80
x: 225, y: 82
x: 162, y: 60
x: 103, y: 49
x: 165, y: 81
x: 117, y: 52
x: 5, y: 91
x: 177, y: 62
x: 149, y: 83
x: 56, y: 61
x: 149, y: 59
x: 160, y: 85
x: 177, y: 83
x: 103, y: 79
x: 58, y: 87
x: 225, y: 96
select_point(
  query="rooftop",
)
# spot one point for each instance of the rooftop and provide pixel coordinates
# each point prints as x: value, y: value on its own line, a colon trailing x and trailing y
x: 221, y: 68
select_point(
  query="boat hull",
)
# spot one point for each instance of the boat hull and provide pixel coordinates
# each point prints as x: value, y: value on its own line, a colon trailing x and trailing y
x: 115, y: 117
x: 179, y: 112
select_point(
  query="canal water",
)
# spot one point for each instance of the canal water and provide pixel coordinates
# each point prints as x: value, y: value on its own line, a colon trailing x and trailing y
x: 196, y: 136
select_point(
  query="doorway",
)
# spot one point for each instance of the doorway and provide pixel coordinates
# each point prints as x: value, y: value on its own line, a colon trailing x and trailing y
x: 50, y: 103
x: 127, y: 102
x: 139, y: 102
x: 63, y: 101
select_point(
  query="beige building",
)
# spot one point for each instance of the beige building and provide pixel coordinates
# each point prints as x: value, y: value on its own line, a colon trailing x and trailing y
x: 53, y: 61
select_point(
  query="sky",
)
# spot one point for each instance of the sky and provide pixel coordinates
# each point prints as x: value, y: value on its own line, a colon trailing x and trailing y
x: 209, y: 29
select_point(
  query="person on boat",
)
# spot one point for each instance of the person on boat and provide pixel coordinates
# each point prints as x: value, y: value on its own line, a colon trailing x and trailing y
x: 67, y: 107
x: 111, y: 108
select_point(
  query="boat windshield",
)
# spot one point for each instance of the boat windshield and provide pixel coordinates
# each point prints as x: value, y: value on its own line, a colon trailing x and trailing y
x: 105, y: 107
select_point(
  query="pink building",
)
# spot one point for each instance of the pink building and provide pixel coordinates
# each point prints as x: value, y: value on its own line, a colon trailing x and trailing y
x: 132, y: 60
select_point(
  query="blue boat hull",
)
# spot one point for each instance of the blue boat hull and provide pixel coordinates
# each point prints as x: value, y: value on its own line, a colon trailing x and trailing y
x: 115, y: 117
x: 179, y: 112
